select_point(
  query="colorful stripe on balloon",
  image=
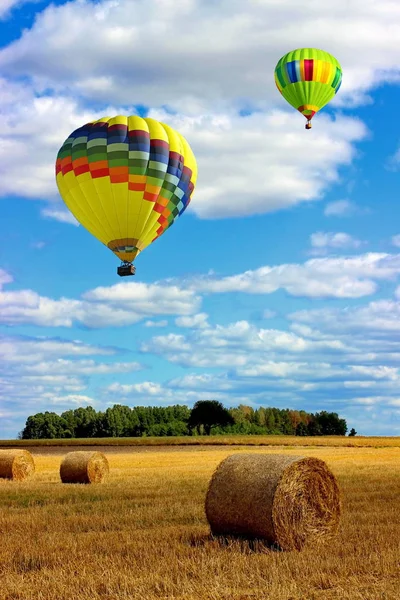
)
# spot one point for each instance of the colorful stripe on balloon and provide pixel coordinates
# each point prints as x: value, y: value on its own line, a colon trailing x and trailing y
x: 147, y: 165
x: 308, y: 70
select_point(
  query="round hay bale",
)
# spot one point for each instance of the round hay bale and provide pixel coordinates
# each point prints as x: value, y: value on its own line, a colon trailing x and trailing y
x: 284, y: 500
x: 84, y: 467
x: 16, y: 464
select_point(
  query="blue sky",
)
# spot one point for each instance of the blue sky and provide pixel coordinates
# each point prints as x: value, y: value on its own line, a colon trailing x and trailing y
x: 279, y: 286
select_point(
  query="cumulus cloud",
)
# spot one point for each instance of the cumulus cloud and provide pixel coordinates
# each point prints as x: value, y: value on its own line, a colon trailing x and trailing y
x: 113, y: 49
x: 393, y: 162
x: 59, y: 215
x: 322, y: 241
x: 340, y: 208
x: 268, y: 314
x: 338, y: 277
x: 381, y: 317
x: 156, y: 394
x: 62, y: 367
x: 4, y: 278
x: 53, y: 361
x: 6, y: 6
x: 273, y: 167
x: 305, y: 368
x: 118, y: 305
x: 236, y: 345
x: 33, y: 350
x: 129, y: 303
x: 252, y: 164
x: 199, y: 321
x: 38, y: 374
x: 396, y: 240
x: 262, y: 162
x: 69, y: 401
x: 32, y: 129
x: 151, y: 323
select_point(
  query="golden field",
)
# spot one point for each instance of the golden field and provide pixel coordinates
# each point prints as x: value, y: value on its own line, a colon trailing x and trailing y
x: 143, y: 534
x: 216, y: 440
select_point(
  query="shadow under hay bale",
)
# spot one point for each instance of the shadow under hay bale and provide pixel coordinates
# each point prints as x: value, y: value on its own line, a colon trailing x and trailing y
x: 84, y: 467
x: 236, y: 543
x: 16, y: 464
x: 287, y: 501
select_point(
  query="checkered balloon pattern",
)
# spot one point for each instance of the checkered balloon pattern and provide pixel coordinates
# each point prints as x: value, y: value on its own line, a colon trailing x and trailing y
x: 126, y: 180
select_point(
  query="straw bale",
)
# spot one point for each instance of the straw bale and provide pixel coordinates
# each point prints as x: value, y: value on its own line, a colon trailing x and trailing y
x: 287, y: 501
x: 16, y: 464
x: 84, y: 467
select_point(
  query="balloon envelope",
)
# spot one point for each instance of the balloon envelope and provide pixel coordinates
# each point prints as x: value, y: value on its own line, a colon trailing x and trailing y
x: 126, y: 180
x: 308, y: 79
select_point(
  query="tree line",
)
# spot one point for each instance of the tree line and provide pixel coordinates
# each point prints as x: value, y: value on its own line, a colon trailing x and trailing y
x: 207, y: 417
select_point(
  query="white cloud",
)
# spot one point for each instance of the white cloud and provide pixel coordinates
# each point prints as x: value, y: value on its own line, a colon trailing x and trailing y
x: 198, y: 321
x: 274, y: 166
x: 33, y: 350
x: 32, y: 129
x: 156, y: 394
x: 268, y: 314
x: 129, y: 303
x: 81, y: 367
x: 248, y: 165
x: 263, y: 162
x: 150, y: 323
x: 340, y: 208
x: 59, y: 215
x: 38, y: 245
x: 396, y: 240
x: 393, y: 162
x: 118, y: 305
x: 236, y: 345
x: 55, y: 363
x: 338, y: 277
x: 38, y: 374
x: 112, y: 50
x: 4, y: 278
x: 147, y: 388
x: 321, y: 241
x: 382, y: 318
x: 6, y: 6
x: 70, y: 401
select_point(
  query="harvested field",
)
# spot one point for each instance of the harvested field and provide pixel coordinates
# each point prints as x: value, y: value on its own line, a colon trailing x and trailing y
x: 143, y: 533
x: 213, y: 440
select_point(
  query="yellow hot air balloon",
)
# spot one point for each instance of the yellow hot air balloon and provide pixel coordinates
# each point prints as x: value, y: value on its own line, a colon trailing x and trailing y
x: 308, y: 79
x: 126, y: 180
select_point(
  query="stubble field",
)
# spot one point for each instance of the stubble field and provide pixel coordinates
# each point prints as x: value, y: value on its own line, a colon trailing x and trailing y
x: 143, y: 534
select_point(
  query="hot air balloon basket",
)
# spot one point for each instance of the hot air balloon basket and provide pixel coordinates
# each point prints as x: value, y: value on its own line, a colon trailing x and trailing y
x: 126, y: 269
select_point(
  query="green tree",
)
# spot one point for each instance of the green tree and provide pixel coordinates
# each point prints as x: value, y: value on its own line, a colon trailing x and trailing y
x: 302, y: 429
x: 330, y: 423
x: 86, y: 422
x: 353, y: 432
x: 209, y: 413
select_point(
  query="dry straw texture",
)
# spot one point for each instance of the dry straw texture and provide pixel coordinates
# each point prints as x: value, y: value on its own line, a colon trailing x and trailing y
x: 285, y: 500
x: 84, y: 467
x: 16, y: 464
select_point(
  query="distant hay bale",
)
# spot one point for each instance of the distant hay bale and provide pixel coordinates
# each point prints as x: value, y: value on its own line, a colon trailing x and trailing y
x: 16, y: 464
x: 84, y: 467
x: 284, y: 500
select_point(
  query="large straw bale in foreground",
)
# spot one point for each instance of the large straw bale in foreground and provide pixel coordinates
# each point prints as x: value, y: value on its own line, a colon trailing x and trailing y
x: 16, y: 464
x: 285, y: 500
x: 84, y: 467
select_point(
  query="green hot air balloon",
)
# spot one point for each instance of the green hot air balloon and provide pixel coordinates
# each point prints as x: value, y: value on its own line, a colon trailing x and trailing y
x: 308, y: 79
